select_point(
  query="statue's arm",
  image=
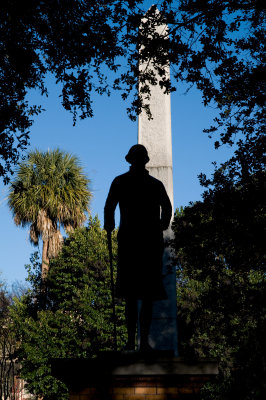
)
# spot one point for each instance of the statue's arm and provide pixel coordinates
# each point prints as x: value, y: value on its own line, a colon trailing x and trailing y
x: 110, y: 206
x: 166, y: 209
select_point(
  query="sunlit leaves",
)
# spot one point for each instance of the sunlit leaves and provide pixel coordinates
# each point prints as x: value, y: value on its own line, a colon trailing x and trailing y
x: 78, y: 320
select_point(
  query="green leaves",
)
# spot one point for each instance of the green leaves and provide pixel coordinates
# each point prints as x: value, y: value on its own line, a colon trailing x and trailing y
x: 77, y: 321
x: 221, y: 284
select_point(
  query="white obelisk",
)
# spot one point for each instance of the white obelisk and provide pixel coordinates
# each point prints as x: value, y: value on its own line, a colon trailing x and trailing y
x: 155, y: 134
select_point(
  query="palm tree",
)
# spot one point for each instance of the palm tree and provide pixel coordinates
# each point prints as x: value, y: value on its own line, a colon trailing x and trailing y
x: 49, y: 191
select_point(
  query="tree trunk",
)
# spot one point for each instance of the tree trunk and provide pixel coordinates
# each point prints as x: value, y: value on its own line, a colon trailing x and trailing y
x: 45, y: 260
x: 45, y: 269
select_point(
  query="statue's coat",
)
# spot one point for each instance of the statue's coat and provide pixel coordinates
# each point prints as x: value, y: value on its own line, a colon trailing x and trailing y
x: 145, y: 211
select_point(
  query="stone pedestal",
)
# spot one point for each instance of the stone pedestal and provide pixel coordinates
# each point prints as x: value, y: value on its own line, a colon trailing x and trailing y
x: 133, y: 377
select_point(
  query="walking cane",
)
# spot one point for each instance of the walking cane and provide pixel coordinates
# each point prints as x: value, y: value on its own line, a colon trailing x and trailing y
x: 109, y: 239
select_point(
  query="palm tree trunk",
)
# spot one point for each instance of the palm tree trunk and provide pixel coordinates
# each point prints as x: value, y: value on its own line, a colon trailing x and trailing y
x: 45, y: 260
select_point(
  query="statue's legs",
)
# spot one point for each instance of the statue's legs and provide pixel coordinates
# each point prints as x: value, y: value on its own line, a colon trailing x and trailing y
x: 145, y: 323
x: 131, y: 311
x: 145, y: 317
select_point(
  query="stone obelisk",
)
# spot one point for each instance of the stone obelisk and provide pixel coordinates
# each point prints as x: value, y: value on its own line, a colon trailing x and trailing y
x: 155, y: 134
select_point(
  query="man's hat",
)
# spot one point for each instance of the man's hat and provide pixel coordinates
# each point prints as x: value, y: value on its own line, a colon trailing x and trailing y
x: 138, y: 152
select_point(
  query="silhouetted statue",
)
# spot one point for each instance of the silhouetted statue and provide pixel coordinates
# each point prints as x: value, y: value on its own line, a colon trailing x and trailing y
x: 145, y: 211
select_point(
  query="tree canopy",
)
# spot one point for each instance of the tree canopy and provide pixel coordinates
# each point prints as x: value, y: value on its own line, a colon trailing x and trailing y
x: 77, y: 321
x: 221, y: 284
x: 10, y: 385
x: 94, y: 47
x: 6, y: 347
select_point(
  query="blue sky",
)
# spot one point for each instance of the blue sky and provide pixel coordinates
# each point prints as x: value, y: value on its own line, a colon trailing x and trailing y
x: 101, y: 144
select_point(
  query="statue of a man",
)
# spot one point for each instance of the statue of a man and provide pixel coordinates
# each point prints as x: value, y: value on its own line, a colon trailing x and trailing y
x: 145, y: 212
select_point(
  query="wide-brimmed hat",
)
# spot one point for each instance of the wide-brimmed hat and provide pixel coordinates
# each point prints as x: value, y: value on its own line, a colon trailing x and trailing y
x: 137, y: 153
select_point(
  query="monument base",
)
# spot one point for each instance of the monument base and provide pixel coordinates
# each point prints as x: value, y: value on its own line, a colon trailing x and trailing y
x: 114, y: 376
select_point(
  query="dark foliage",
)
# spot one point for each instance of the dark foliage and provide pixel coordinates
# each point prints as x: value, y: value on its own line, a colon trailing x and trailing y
x: 94, y: 47
x: 9, y: 385
x: 221, y: 286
